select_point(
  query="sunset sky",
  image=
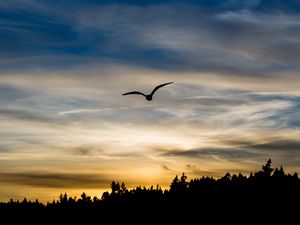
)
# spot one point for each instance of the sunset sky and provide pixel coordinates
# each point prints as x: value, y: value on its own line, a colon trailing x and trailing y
x: 65, y: 126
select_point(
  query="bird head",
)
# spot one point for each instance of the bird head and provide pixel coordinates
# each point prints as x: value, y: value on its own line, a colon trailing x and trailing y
x: 149, y: 97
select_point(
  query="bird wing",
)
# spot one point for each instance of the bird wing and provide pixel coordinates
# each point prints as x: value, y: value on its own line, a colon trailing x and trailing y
x: 134, y: 93
x: 159, y: 86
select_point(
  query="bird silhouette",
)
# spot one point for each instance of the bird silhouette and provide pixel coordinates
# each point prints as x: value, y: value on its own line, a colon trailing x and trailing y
x: 150, y: 96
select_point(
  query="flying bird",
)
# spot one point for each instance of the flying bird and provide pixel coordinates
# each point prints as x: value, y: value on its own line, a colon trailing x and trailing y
x: 150, y: 96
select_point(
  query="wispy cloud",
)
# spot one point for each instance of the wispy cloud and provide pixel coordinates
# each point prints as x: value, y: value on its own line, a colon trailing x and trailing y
x: 217, y: 154
x: 166, y: 167
x: 219, y: 40
x: 235, y: 150
x: 56, y: 180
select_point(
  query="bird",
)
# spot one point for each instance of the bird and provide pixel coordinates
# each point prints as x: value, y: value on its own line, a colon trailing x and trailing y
x: 150, y: 96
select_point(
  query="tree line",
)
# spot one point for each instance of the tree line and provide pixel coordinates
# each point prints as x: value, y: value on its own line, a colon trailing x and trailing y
x: 269, y: 191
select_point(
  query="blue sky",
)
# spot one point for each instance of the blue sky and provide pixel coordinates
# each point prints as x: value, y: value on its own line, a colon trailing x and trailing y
x: 69, y: 34
x: 64, y: 65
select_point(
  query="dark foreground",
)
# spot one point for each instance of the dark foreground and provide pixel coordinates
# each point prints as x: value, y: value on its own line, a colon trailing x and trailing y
x: 267, y: 196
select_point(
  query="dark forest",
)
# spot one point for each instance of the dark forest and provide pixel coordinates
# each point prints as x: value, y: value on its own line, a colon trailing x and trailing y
x: 269, y: 194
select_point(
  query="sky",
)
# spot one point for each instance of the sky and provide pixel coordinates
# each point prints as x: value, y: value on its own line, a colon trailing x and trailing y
x: 65, y: 126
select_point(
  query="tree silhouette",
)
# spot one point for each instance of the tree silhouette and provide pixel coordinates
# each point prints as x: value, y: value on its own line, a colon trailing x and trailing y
x: 179, y: 185
x: 269, y: 194
x: 267, y: 170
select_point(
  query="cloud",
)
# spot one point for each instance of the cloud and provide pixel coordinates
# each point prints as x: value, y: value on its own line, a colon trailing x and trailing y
x: 285, y: 150
x: 198, y: 41
x: 25, y: 115
x: 10, y: 93
x: 279, y: 6
x: 192, y: 169
x: 213, y: 37
x: 56, y: 180
x: 83, y: 150
x: 215, y: 153
x: 166, y: 167
x: 279, y: 145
